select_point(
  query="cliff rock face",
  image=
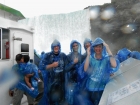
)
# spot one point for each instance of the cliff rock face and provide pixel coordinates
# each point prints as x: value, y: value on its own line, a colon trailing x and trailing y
x: 118, y: 23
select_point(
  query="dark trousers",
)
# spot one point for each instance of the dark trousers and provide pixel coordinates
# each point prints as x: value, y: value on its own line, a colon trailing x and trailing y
x: 95, y: 96
x: 56, y: 94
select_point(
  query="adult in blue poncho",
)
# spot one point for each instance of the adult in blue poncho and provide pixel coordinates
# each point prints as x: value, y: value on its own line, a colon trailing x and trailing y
x: 81, y: 96
x: 74, y: 60
x: 99, y: 64
x: 87, y: 43
x: 17, y: 91
x: 52, y: 67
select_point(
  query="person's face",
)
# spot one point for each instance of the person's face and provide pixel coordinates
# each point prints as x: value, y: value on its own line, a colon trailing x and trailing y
x: 21, y: 61
x: 56, y: 49
x: 98, y: 49
x: 87, y: 45
x: 75, y: 47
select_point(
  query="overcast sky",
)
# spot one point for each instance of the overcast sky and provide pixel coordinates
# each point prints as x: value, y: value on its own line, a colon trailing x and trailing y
x: 31, y: 8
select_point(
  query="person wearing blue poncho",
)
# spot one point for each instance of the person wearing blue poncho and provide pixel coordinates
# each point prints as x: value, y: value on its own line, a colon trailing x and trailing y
x: 87, y: 43
x: 135, y: 54
x: 15, y: 91
x: 99, y: 64
x: 52, y: 68
x: 74, y: 60
x: 42, y: 54
x: 29, y: 70
x: 123, y: 54
x: 83, y: 78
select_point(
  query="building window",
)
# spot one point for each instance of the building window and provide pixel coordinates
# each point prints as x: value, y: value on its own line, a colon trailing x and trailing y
x: 4, y: 44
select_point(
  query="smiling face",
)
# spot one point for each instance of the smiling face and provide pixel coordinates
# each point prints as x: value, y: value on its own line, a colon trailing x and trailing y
x: 56, y: 49
x: 98, y: 49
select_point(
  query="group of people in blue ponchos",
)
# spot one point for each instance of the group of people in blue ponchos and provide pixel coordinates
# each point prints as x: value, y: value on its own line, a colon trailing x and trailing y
x: 73, y: 79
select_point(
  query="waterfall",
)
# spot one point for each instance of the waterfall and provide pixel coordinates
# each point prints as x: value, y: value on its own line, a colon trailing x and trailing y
x: 63, y: 27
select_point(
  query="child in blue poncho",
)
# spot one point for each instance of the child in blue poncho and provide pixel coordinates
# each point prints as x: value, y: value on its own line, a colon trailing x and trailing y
x: 29, y: 70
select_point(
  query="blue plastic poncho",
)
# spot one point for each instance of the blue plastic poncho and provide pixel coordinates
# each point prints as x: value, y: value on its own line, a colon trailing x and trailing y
x: 49, y: 78
x: 99, y: 70
x: 15, y: 68
x: 29, y: 68
x: 135, y: 54
x: 81, y: 71
x: 42, y: 55
x: 123, y: 54
x: 21, y: 70
x: 72, y: 79
x: 56, y: 43
x: 70, y: 57
x: 22, y: 86
x: 51, y: 57
x: 79, y: 46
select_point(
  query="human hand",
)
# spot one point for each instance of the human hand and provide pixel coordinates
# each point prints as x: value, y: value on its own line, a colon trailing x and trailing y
x: 75, y: 60
x: 111, y: 74
x: 11, y: 93
x: 106, y: 45
x: 39, y: 71
x: 88, y: 51
x: 55, y: 64
x: 108, y: 49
